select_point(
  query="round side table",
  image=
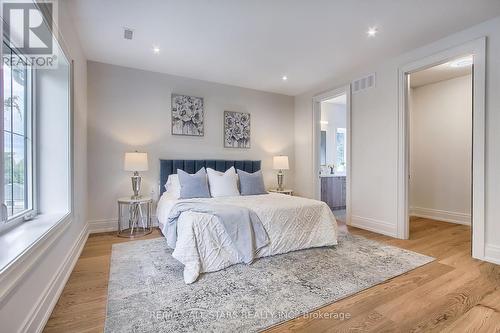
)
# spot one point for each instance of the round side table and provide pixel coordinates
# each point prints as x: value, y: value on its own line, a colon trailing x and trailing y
x: 285, y: 191
x: 134, y: 217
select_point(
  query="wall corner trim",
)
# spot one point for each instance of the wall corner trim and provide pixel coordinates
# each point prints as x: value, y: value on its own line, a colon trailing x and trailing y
x: 38, y: 317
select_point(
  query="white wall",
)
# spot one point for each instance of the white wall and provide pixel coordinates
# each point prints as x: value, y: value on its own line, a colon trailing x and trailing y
x: 335, y: 115
x: 35, y: 295
x: 129, y: 110
x: 441, y: 150
x: 375, y: 136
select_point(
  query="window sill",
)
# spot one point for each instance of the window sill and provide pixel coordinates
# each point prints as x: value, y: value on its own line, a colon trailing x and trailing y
x: 23, y: 244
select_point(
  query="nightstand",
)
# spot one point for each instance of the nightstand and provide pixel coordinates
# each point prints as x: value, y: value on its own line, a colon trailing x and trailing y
x: 134, y: 217
x: 285, y: 191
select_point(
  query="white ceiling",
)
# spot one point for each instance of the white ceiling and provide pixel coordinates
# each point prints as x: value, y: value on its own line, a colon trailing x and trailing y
x: 253, y: 43
x: 438, y: 73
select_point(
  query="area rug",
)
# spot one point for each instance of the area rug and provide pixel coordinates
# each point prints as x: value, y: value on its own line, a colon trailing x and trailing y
x: 146, y: 291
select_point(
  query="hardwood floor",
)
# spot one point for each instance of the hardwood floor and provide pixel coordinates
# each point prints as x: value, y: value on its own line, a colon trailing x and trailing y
x: 455, y: 293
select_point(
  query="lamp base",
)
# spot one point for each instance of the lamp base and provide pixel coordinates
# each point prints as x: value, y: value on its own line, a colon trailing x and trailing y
x: 136, y: 185
x: 281, y: 176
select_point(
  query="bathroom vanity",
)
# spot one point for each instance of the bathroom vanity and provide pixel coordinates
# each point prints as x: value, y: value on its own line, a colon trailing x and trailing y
x: 333, y: 191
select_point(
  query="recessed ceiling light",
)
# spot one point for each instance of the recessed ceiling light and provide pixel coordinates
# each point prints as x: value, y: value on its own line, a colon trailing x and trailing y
x: 284, y: 77
x: 372, y: 31
x: 462, y: 62
x: 156, y: 50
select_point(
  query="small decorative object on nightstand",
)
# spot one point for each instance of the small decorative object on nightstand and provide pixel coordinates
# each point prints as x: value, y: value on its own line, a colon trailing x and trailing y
x: 284, y: 191
x: 137, y: 221
x: 280, y: 163
x: 136, y: 162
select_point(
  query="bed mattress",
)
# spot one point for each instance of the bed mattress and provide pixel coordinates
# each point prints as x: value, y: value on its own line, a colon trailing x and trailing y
x: 292, y: 223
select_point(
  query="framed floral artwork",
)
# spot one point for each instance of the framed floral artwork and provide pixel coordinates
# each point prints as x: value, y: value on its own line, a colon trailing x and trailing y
x: 187, y: 115
x: 236, y: 129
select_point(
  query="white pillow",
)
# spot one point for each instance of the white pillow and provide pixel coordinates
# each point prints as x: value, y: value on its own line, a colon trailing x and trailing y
x: 223, y: 184
x: 173, y: 187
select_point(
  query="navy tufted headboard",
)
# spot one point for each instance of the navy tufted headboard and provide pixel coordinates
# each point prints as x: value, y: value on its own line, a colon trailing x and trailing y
x: 168, y: 167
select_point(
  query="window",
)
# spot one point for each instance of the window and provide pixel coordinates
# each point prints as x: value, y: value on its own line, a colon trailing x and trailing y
x: 340, y: 138
x: 323, y: 147
x: 36, y: 167
x: 17, y: 135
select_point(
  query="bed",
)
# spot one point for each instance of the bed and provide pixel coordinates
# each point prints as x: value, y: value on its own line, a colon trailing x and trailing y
x: 202, y: 245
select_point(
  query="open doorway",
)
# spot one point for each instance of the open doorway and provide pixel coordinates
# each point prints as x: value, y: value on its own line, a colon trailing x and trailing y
x: 332, y: 151
x: 476, y: 48
x: 440, y: 145
x: 333, y: 155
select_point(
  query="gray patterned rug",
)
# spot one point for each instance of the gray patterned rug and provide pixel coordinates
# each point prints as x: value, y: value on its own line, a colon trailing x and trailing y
x: 147, y: 293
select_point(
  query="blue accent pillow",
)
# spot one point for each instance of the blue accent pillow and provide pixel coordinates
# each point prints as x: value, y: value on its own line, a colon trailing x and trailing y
x: 193, y: 186
x: 251, y: 183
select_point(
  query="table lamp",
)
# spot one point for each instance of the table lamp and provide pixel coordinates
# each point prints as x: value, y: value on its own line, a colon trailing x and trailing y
x: 280, y: 163
x: 136, y: 162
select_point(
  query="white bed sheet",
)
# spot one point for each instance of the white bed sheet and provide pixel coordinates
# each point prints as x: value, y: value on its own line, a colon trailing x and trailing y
x: 292, y: 223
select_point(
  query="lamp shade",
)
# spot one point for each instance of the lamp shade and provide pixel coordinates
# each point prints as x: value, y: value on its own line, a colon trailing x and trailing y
x: 136, y: 162
x: 280, y: 162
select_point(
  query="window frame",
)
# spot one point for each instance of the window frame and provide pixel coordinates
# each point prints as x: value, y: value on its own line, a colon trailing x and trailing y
x: 341, y: 130
x: 50, y: 226
x: 30, y: 153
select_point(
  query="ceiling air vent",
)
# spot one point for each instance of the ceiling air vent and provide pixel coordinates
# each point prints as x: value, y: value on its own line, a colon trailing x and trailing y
x: 128, y: 33
x: 363, y: 83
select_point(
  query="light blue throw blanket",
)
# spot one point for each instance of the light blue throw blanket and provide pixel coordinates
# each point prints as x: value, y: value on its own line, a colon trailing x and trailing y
x: 243, y: 226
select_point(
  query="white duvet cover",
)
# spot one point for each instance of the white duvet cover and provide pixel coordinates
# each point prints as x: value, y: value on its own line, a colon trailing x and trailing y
x: 292, y: 223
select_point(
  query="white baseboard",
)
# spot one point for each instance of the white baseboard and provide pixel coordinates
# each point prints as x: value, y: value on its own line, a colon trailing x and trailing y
x: 109, y: 225
x: 441, y: 215
x: 492, y: 253
x: 97, y: 226
x: 380, y: 227
x: 41, y: 312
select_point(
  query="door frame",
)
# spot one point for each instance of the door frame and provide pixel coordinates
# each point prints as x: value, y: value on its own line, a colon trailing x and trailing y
x: 316, y: 131
x: 477, y: 48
